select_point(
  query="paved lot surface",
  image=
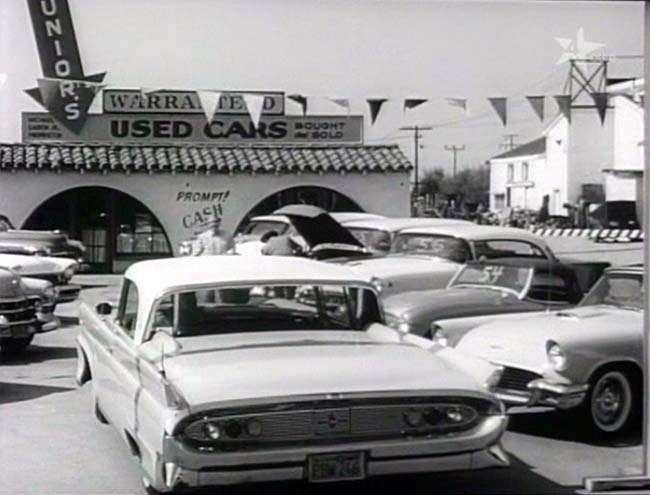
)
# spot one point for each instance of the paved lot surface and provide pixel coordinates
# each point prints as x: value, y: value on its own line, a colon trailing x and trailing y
x: 50, y: 441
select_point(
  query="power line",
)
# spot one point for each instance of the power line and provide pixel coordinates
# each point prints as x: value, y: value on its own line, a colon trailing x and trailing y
x: 416, y: 143
x: 454, y: 149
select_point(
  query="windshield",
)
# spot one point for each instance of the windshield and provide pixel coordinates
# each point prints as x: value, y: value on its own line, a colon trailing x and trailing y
x: 267, y: 308
x: 440, y: 246
x: 261, y: 227
x: 624, y: 290
x: 377, y: 240
x: 509, y: 278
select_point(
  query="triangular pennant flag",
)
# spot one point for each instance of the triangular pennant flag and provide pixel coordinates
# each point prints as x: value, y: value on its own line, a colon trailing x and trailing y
x: 209, y: 103
x: 564, y: 102
x: 342, y: 102
x: 458, y: 102
x: 601, y: 100
x: 537, y: 102
x: 300, y: 100
x: 500, y: 106
x: 375, y: 107
x: 411, y: 103
x: 255, y: 105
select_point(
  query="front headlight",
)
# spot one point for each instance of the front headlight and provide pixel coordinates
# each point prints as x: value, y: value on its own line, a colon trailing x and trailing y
x: 69, y: 272
x: 438, y: 335
x: 49, y: 293
x: 556, y: 355
x: 3, y: 320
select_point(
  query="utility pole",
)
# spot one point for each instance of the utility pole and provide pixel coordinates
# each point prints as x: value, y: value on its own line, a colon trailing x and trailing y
x: 509, y: 141
x: 454, y: 149
x: 416, y: 143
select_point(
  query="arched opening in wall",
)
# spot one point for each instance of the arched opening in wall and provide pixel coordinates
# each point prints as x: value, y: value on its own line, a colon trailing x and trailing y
x: 325, y: 198
x: 116, y: 228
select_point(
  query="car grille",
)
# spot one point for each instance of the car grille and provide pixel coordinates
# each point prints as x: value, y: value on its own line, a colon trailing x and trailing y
x: 17, y: 310
x: 337, y: 422
x: 516, y: 379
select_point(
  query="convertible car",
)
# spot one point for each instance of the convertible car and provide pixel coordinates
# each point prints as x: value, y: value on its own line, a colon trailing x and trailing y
x: 228, y: 372
x: 483, y: 291
x: 588, y: 357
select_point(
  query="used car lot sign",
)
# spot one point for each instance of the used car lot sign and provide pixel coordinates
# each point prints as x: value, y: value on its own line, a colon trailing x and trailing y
x: 159, y: 128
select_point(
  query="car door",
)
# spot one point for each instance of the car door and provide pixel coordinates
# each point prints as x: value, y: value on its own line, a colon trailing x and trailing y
x: 122, y: 379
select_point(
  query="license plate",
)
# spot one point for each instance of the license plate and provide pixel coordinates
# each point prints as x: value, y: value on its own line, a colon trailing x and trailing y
x: 21, y: 331
x: 336, y: 467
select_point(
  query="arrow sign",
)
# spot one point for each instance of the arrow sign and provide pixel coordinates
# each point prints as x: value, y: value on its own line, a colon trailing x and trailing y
x: 65, y: 91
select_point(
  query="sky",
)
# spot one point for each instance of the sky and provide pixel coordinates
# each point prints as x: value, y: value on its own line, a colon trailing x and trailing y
x: 358, y: 49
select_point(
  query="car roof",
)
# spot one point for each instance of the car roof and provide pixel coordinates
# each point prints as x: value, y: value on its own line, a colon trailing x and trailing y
x: 165, y: 274
x: 353, y: 216
x: 474, y: 232
x: 393, y: 224
x: 270, y: 218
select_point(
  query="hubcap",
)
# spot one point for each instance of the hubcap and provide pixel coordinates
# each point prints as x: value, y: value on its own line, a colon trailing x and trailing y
x: 611, y: 401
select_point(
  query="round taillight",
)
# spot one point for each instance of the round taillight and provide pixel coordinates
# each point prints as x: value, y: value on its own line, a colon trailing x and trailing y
x: 213, y: 431
x: 232, y: 429
x: 413, y: 418
x: 254, y: 428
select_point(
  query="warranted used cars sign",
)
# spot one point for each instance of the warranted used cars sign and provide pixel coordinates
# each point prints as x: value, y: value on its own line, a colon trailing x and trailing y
x: 230, y: 102
x: 170, y: 128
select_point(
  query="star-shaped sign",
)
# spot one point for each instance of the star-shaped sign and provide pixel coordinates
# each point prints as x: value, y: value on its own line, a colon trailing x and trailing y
x: 578, y: 48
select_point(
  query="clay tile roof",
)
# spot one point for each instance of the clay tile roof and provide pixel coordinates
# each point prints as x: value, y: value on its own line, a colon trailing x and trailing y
x: 204, y: 159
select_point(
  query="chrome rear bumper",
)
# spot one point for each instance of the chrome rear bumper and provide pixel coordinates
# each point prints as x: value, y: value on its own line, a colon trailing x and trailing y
x: 477, y: 449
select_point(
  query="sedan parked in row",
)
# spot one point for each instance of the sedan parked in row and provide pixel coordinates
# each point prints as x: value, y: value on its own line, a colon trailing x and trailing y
x: 483, y: 291
x: 231, y: 371
x: 428, y: 257
x: 589, y: 357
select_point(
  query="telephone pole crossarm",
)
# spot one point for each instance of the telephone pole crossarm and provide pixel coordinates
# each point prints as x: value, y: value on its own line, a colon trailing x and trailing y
x: 415, y: 129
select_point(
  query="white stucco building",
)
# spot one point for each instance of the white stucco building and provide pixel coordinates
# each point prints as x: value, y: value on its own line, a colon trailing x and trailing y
x: 572, y: 159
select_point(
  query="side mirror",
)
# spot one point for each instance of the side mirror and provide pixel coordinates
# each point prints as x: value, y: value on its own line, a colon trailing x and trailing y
x: 104, y: 309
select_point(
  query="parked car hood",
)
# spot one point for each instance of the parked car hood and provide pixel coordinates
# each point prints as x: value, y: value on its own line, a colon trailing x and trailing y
x: 34, y: 265
x: 447, y: 303
x: 236, y: 367
x: 522, y: 342
x: 397, y: 266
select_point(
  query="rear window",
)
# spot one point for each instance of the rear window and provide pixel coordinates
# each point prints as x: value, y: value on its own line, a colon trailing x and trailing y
x: 507, y: 249
x: 267, y: 308
x: 438, y: 246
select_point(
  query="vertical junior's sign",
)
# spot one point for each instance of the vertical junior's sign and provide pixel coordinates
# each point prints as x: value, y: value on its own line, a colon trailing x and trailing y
x: 64, y: 90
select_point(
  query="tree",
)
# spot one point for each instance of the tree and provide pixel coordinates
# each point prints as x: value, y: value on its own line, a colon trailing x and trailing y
x: 469, y: 185
x: 431, y: 184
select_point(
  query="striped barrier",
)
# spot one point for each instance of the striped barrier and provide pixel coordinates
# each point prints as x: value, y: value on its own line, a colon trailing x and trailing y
x: 596, y: 235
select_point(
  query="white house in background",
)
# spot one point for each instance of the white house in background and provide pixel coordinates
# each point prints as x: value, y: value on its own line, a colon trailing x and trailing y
x: 571, y: 160
x: 515, y: 176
